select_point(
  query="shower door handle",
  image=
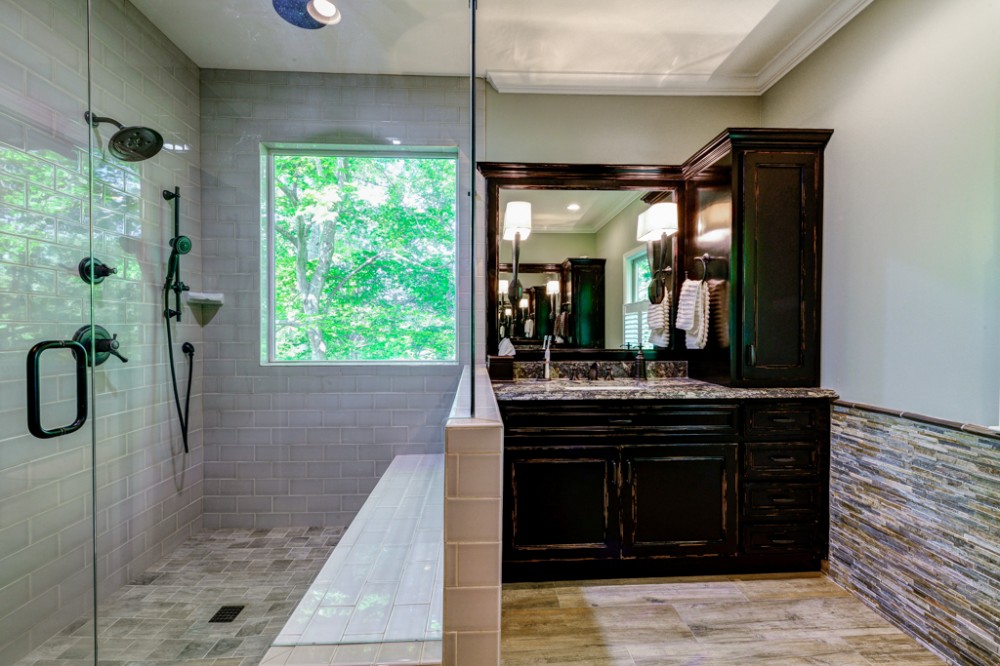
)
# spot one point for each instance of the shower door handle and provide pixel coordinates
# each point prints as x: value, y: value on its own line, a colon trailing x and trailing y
x: 34, y: 392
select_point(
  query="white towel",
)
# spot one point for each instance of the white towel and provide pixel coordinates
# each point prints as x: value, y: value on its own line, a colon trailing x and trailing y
x: 686, y: 303
x: 697, y: 334
x: 506, y: 348
x: 718, y: 297
x: 654, y: 315
x: 659, y: 336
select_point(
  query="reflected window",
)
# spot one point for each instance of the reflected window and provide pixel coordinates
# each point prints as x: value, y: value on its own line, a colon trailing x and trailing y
x: 358, y: 255
x: 636, y: 298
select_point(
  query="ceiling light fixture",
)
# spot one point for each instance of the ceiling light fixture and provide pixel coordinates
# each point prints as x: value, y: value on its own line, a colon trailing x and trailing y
x: 324, y: 11
x: 573, y: 207
x: 308, y: 14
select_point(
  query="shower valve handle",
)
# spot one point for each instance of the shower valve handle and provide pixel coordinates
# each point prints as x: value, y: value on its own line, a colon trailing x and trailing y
x: 110, y: 346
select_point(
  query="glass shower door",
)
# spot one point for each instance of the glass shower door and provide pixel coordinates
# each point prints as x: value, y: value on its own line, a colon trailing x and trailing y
x: 46, y: 435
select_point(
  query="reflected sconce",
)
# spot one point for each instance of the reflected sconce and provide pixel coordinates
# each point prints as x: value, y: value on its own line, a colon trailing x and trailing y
x: 516, y: 228
x: 656, y: 225
x: 524, y: 303
x: 502, y: 289
x: 552, y: 291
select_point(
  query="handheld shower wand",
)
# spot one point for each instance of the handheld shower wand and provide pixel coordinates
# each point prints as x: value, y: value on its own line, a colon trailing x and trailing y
x: 178, y: 245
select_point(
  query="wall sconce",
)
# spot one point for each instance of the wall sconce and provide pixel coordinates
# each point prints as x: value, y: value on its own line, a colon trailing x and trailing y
x: 656, y: 225
x: 502, y: 289
x: 516, y: 227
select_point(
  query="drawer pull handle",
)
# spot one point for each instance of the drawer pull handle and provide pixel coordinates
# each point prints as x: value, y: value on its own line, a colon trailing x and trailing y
x: 620, y: 421
x: 783, y: 542
x: 783, y: 459
x: 783, y: 500
x: 783, y: 419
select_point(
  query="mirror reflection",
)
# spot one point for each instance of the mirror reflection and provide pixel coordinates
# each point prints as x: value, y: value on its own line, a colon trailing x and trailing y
x: 583, y: 277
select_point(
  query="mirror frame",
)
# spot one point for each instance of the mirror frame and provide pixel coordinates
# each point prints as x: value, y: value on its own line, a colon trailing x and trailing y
x: 541, y: 176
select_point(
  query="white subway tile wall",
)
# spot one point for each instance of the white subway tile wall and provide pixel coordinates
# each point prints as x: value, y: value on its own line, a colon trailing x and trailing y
x: 305, y: 445
x: 148, y: 493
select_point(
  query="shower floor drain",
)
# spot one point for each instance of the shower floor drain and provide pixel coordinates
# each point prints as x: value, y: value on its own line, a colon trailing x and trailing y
x: 226, y: 614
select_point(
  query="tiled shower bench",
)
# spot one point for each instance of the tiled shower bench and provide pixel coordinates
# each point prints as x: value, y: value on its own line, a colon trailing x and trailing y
x: 378, y: 598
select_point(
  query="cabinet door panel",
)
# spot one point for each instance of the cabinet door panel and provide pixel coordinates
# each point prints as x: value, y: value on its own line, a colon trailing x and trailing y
x: 679, y: 500
x: 561, y: 503
x: 781, y: 269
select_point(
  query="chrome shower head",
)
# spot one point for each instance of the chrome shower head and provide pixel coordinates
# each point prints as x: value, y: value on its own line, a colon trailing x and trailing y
x: 129, y: 144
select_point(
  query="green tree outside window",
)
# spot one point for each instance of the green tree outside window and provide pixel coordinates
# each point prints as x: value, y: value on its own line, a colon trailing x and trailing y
x: 363, y: 257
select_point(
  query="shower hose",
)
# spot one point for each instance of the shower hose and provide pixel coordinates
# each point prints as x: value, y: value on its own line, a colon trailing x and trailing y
x: 188, y: 349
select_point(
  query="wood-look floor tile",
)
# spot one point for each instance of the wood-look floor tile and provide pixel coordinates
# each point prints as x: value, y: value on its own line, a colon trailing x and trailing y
x: 790, y: 588
x: 640, y: 595
x: 778, y: 620
x: 787, y: 653
x: 893, y: 650
x: 524, y: 598
x: 571, y: 656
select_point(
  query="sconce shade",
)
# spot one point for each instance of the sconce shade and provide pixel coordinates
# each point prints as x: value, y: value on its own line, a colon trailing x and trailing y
x: 657, y: 220
x: 524, y: 302
x: 552, y: 287
x: 517, y: 219
x: 503, y: 286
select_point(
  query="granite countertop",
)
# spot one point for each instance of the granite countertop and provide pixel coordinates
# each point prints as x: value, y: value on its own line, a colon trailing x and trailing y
x: 675, y: 388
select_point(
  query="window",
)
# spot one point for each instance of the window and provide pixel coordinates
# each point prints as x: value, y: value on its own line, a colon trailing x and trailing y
x: 636, y: 298
x: 358, y: 256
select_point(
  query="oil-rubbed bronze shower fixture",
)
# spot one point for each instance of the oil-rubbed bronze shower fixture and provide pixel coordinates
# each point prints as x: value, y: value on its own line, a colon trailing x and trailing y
x: 129, y: 144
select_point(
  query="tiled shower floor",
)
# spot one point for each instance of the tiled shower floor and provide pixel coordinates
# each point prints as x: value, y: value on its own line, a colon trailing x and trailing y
x: 163, y: 619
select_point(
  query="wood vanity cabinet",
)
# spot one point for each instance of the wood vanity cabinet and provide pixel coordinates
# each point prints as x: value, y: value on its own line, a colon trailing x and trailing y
x: 774, y: 178
x: 632, y: 488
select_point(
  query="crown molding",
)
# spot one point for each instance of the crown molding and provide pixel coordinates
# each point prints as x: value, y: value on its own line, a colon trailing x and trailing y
x: 832, y: 19
x: 836, y: 16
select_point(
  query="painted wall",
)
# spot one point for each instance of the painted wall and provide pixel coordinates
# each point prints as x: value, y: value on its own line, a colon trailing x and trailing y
x: 911, y: 255
x: 543, y: 248
x: 613, y: 240
x: 608, y: 130
x: 305, y: 445
x: 148, y: 492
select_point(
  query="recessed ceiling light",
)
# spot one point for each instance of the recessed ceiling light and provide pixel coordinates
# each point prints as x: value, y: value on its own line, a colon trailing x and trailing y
x: 573, y: 207
x: 324, y: 11
x: 394, y: 141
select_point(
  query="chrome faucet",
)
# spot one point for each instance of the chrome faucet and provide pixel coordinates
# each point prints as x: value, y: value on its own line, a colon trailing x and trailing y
x: 547, y: 346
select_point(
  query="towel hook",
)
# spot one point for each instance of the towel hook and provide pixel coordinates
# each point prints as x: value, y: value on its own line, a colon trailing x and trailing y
x: 704, y: 259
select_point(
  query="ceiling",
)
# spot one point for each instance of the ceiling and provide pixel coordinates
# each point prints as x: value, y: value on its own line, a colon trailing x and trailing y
x: 549, y: 212
x: 633, y: 47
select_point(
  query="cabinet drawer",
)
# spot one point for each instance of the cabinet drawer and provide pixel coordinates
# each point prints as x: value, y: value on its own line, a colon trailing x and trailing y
x: 759, y: 539
x: 781, y: 459
x: 781, y: 500
x: 768, y: 420
x: 628, y: 418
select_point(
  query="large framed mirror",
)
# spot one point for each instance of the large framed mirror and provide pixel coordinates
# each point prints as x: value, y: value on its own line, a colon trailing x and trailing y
x: 582, y: 276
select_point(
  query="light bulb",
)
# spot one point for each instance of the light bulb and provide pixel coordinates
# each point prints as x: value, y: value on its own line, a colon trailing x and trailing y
x: 324, y: 11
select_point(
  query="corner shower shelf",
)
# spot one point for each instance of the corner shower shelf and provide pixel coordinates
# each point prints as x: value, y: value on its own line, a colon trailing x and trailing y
x: 204, y: 305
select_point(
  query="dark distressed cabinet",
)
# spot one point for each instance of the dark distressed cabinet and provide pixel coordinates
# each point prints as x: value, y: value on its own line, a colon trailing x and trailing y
x: 621, y: 488
x: 772, y: 180
x: 583, y: 290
